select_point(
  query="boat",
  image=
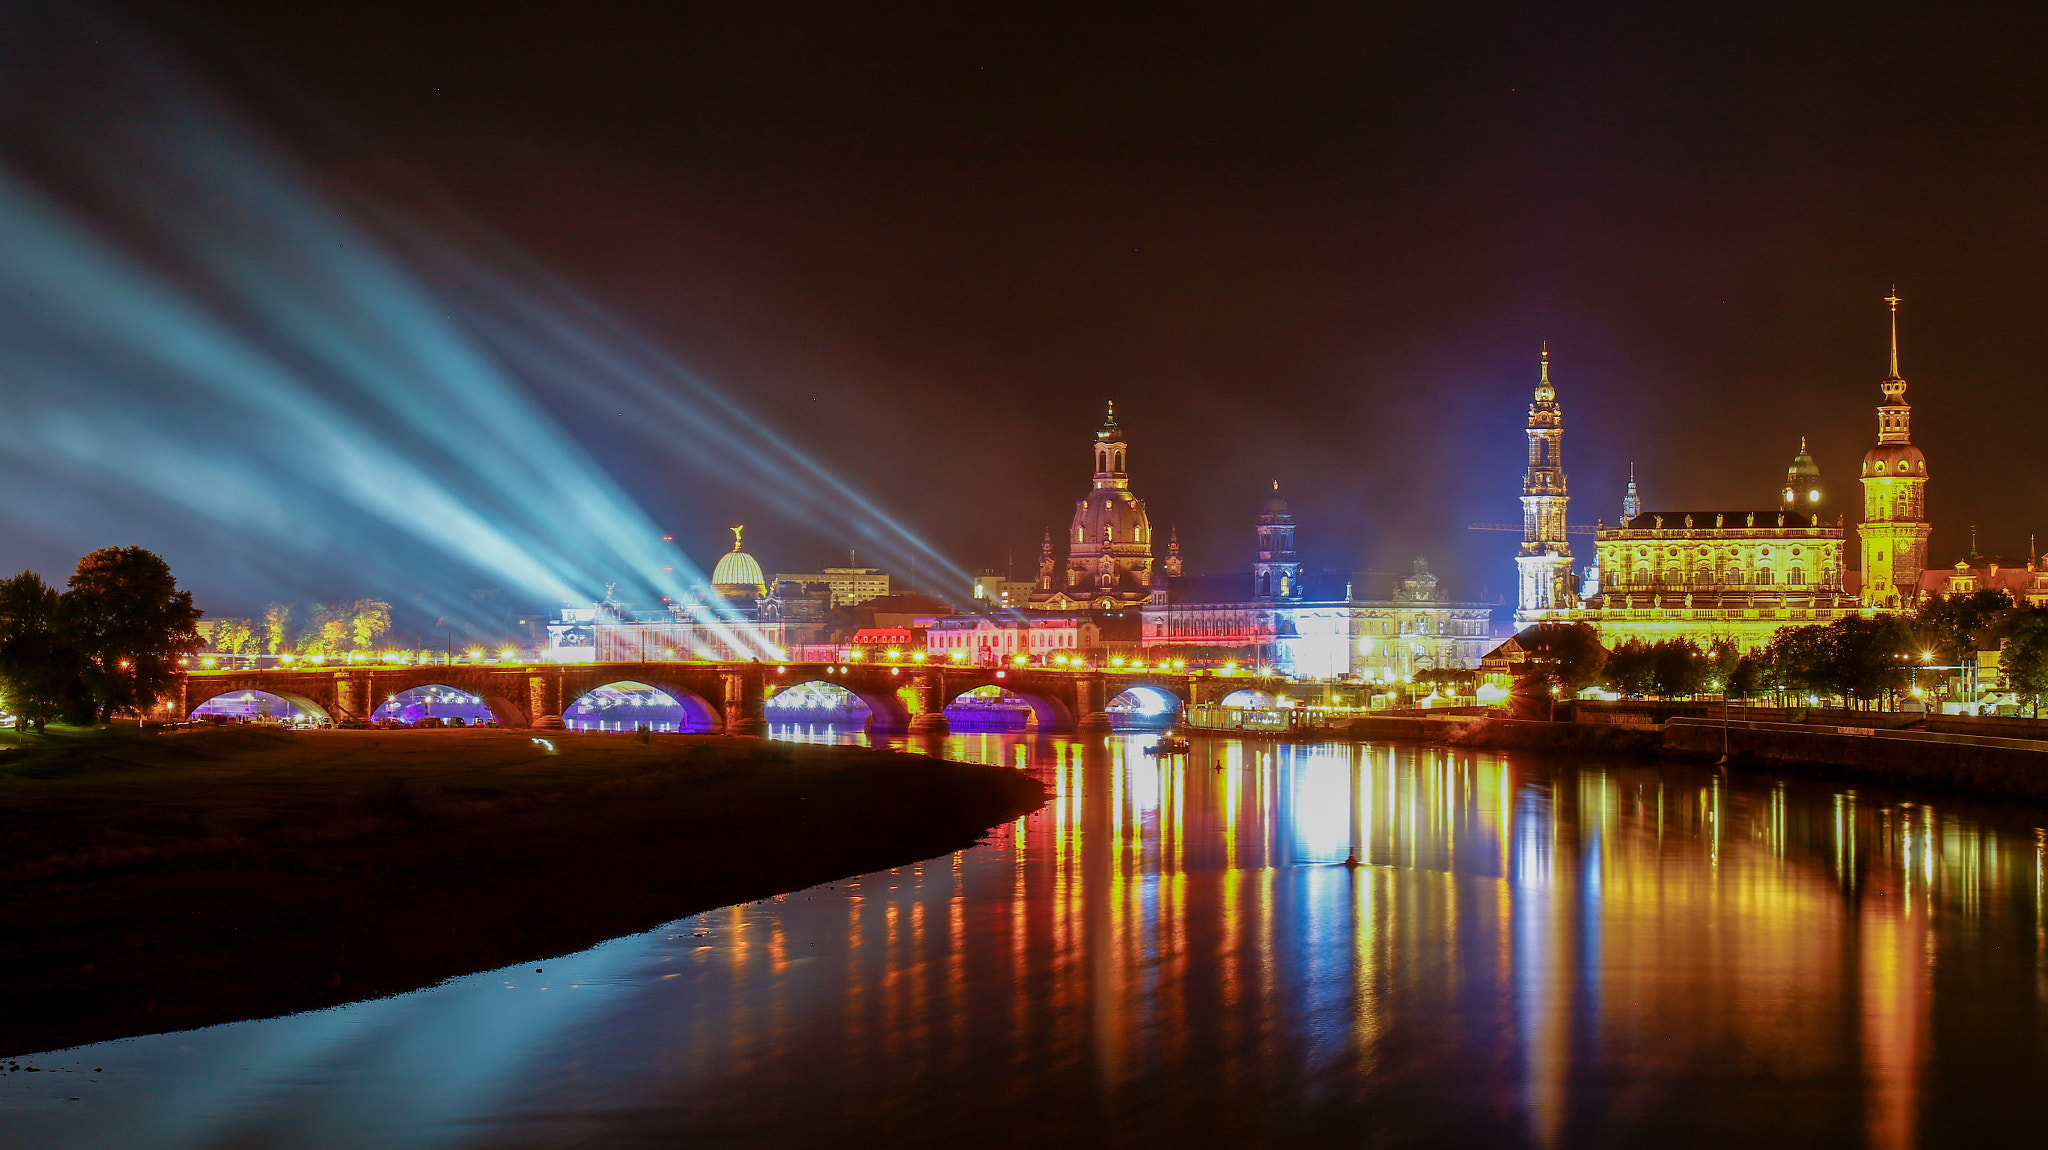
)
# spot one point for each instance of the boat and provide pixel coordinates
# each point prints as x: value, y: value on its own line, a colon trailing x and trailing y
x: 1169, y: 744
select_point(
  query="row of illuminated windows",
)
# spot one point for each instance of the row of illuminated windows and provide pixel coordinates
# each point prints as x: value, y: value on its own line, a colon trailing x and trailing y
x: 1732, y: 577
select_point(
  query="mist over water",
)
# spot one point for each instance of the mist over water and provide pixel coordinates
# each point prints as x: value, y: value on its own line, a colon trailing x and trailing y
x: 296, y: 391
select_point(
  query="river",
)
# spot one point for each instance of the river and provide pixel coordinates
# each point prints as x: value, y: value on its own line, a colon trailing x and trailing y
x: 1528, y: 954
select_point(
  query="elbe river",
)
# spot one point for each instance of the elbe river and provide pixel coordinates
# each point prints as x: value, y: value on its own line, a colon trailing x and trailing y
x: 1528, y: 953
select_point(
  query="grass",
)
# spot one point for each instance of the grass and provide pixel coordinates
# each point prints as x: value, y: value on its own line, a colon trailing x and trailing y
x: 158, y: 882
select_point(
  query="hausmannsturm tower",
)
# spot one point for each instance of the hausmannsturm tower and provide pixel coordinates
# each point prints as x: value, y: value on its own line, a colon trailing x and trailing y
x: 1895, y: 528
x: 1545, y: 561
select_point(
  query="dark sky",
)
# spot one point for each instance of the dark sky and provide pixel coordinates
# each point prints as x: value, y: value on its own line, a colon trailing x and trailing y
x: 1317, y: 244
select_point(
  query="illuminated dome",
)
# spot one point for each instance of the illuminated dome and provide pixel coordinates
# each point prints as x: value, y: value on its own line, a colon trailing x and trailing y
x: 1895, y: 459
x: 737, y: 573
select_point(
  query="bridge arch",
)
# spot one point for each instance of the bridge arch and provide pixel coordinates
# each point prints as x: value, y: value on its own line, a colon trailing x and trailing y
x: 1250, y: 697
x: 255, y: 703
x: 439, y: 700
x: 886, y: 709
x: 1144, y: 705
x: 628, y: 704
x: 1048, y: 711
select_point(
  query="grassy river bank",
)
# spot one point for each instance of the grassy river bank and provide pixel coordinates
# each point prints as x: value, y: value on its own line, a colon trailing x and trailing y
x: 153, y: 883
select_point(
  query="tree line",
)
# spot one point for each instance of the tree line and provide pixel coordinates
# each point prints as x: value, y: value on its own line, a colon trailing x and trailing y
x: 1862, y: 659
x: 108, y: 644
x: 326, y: 629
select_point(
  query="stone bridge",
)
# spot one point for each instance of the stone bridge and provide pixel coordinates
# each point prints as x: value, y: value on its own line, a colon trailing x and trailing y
x: 726, y: 697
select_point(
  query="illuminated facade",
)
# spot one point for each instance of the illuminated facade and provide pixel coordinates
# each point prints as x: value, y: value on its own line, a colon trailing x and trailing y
x: 1312, y: 627
x: 1895, y: 528
x: 1711, y: 575
x: 850, y: 585
x: 1544, y: 566
x: 1109, y: 546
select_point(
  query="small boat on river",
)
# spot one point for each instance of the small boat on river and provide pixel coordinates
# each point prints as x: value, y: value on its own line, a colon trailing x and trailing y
x: 1169, y: 744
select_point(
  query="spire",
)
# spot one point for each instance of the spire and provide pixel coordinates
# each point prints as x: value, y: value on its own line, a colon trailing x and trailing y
x: 1545, y: 393
x: 1631, y: 503
x: 1893, y: 300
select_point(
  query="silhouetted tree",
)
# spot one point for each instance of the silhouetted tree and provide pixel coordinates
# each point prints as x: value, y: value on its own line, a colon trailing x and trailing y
x: 40, y: 667
x: 1959, y: 623
x: 127, y: 617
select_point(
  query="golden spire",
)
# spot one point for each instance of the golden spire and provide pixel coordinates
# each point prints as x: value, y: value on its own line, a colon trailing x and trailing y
x: 1545, y: 360
x: 1893, y: 300
x: 736, y: 529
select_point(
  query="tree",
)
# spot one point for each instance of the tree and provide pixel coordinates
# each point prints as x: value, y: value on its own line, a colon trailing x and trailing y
x: 1568, y: 655
x: 2025, y: 663
x: 1959, y: 622
x: 233, y: 636
x: 277, y: 623
x: 39, y: 667
x: 330, y: 632
x: 131, y: 623
x: 368, y: 618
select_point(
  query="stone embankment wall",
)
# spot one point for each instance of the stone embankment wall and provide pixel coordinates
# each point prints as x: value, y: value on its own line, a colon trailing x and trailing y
x: 2008, y: 768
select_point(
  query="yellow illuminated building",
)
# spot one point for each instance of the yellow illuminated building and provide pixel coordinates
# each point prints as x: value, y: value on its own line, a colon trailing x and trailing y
x: 1895, y: 527
x: 1711, y: 575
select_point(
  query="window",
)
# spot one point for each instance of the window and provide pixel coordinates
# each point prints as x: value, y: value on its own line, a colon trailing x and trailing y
x: 1763, y: 576
x: 1796, y: 576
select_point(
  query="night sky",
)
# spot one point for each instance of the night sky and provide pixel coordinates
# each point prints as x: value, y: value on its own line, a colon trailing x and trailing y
x: 1314, y: 244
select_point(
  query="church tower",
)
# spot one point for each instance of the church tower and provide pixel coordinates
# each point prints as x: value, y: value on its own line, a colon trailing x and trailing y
x: 1276, y: 573
x: 1631, y: 501
x: 1895, y: 528
x: 1545, y: 562
x: 1109, y: 546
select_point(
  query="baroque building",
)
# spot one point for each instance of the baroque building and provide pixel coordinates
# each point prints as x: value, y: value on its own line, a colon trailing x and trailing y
x: 1544, y: 566
x: 1895, y: 528
x: 1109, y: 546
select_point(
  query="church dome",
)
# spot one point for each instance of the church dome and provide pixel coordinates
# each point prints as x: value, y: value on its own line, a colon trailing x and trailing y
x: 737, y: 573
x: 1116, y: 509
x: 1895, y: 459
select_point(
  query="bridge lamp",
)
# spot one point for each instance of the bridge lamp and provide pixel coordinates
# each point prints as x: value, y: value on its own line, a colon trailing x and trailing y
x: 507, y: 654
x: 319, y: 660
x: 477, y: 654
x: 1021, y: 660
x: 286, y: 659
x: 209, y: 661
x: 895, y: 654
x: 1117, y: 662
x: 918, y: 657
x: 1179, y: 663
x: 854, y: 654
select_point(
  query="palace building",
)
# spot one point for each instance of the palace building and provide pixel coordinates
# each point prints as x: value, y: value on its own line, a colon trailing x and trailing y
x: 1109, y: 546
x: 1735, y: 575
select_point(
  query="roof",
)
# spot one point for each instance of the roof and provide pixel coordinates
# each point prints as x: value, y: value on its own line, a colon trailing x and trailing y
x: 2015, y: 580
x: 1728, y: 520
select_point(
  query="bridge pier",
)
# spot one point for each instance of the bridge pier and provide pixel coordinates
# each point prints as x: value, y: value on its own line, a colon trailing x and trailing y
x: 1091, y: 714
x: 930, y: 718
x: 544, y: 699
x: 745, y: 703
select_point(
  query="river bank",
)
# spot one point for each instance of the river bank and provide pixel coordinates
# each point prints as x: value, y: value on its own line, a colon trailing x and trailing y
x: 1983, y: 767
x: 155, y: 883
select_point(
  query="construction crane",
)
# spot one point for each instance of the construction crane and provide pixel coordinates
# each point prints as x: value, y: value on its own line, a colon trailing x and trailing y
x: 1517, y: 528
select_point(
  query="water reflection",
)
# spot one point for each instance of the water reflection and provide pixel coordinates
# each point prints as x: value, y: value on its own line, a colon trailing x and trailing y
x: 1255, y: 944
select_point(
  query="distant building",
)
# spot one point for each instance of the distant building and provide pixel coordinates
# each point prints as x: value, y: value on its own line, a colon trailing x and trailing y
x: 1312, y: 627
x: 1109, y: 546
x: 974, y: 640
x: 851, y: 585
x: 2028, y: 584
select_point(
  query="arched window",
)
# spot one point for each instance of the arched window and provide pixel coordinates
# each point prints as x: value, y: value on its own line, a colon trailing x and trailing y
x: 1796, y: 576
x: 1763, y: 576
x: 1733, y: 577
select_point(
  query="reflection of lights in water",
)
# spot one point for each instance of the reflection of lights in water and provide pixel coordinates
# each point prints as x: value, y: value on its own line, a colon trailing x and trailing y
x: 1427, y: 964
